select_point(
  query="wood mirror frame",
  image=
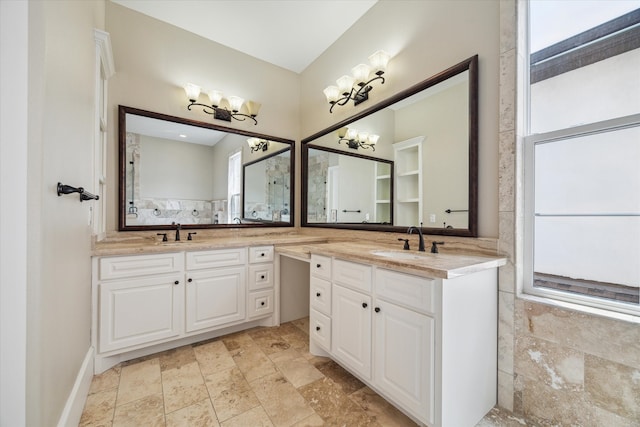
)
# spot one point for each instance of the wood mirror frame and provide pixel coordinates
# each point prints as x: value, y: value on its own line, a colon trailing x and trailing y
x: 122, y: 170
x: 470, y: 65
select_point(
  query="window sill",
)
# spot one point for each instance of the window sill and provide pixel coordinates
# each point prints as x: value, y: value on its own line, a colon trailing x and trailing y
x: 585, y: 309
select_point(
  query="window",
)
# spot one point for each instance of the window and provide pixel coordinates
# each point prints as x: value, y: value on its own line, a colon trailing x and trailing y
x: 234, y: 185
x: 582, y: 153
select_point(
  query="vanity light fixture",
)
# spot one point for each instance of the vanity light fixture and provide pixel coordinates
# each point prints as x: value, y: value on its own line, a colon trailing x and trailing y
x: 217, y: 110
x: 357, y: 86
x: 258, y: 144
x: 355, y: 138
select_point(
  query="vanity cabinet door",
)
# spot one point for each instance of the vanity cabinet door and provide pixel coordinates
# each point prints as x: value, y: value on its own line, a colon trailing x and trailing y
x: 351, y: 329
x: 139, y: 311
x: 215, y: 297
x: 404, y: 357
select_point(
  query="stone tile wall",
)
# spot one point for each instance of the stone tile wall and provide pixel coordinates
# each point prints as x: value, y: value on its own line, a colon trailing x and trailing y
x: 556, y: 366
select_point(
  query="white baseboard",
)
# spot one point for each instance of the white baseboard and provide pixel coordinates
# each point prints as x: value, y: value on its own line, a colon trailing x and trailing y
x: 75, y: 402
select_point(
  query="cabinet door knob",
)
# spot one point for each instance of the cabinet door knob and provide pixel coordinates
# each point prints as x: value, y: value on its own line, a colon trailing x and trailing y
x: 262, y: 303
x: 317, y: 294
x: 364, y: 305
x: 262, y: 277
x: 318, y: 265
x: 189, y: 280
x: 177, y: 282
x: 377, y: 309
x: 262, y: 254
x: 317, y: 328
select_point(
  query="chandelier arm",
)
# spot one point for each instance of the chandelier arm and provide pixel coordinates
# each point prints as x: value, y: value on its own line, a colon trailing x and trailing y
x: 366, y: 87
x: 238, y: 116
x: 204, y: 107
x: 245, y: 117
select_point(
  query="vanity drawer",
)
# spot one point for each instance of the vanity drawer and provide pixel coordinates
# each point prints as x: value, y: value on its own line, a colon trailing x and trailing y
x: 260, y: 303
x: 352, y: 275
x: 321, y: 266
x: 407, y: 290
x: 260, y: 276
x: 140, y: 265
x: 219, y: 258
x: 320, y: 329
x: 260, y: 254
x: 320, y: 292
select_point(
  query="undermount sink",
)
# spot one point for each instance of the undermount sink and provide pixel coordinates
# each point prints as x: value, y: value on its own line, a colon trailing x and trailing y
x: 406, y: 255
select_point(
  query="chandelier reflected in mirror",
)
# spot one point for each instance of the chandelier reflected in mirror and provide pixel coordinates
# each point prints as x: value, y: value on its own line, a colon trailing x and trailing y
x: 354, y: 138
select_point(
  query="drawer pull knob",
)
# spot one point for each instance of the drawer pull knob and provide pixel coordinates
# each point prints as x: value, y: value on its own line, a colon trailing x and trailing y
x: 317, y: 328
x: 262, y: 303
x: 317, y: 294
x: 364, y: 305
x: 177, y: 282
x: 377, y: 309
x: 262, y: 254
x: 262, y: 277
x: 318, y: 265
x: 189, y: 280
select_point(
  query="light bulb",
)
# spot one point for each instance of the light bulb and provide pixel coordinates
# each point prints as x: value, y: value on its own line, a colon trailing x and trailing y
x: 236, y: 103
x: 193, y: 91
x: 253, y: 108
x: 345, y: 83
x: 352, y: 134
x: 332, y: 93
x: 215, y: 97
x: 379, y: 61
x: 361, y: 73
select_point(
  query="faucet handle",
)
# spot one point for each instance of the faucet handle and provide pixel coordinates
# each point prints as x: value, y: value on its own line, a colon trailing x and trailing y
x: 434, y: 247
x: 406, y: 243
x: 164, y: 236
x: 189, y: 236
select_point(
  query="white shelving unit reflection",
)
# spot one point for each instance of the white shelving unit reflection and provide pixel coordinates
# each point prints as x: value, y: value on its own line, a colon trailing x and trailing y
x: 383, y: 192
x: 408, y: 181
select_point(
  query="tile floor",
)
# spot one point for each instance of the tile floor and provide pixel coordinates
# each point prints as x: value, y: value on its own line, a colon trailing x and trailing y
x: 259, y: 377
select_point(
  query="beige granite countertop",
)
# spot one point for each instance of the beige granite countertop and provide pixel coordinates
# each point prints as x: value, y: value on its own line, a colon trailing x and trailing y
x: 446, y: 265
x: 441, y: 265
x: 151, y: 244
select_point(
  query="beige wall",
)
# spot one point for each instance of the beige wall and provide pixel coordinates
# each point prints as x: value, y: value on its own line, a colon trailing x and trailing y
x: 62, y: 56
x: 424, y: 38
x: 153, y: 60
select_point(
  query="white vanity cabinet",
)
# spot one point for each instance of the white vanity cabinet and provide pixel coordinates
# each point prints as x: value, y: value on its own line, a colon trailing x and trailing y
x: 351, y: 316
x: 428, y: 345
x: 216, y: 288
x: 153, y: 302
x: 404, y: 350
x: 320, y: 302
x: 140, y: 299
x: 261, y: 282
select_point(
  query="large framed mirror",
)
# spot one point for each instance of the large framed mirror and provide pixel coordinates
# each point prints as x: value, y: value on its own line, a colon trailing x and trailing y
x: 179, y: 171
x: 428, y: 134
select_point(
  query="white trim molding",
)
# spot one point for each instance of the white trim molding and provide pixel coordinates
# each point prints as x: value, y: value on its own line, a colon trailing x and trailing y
x: 72, y: 411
